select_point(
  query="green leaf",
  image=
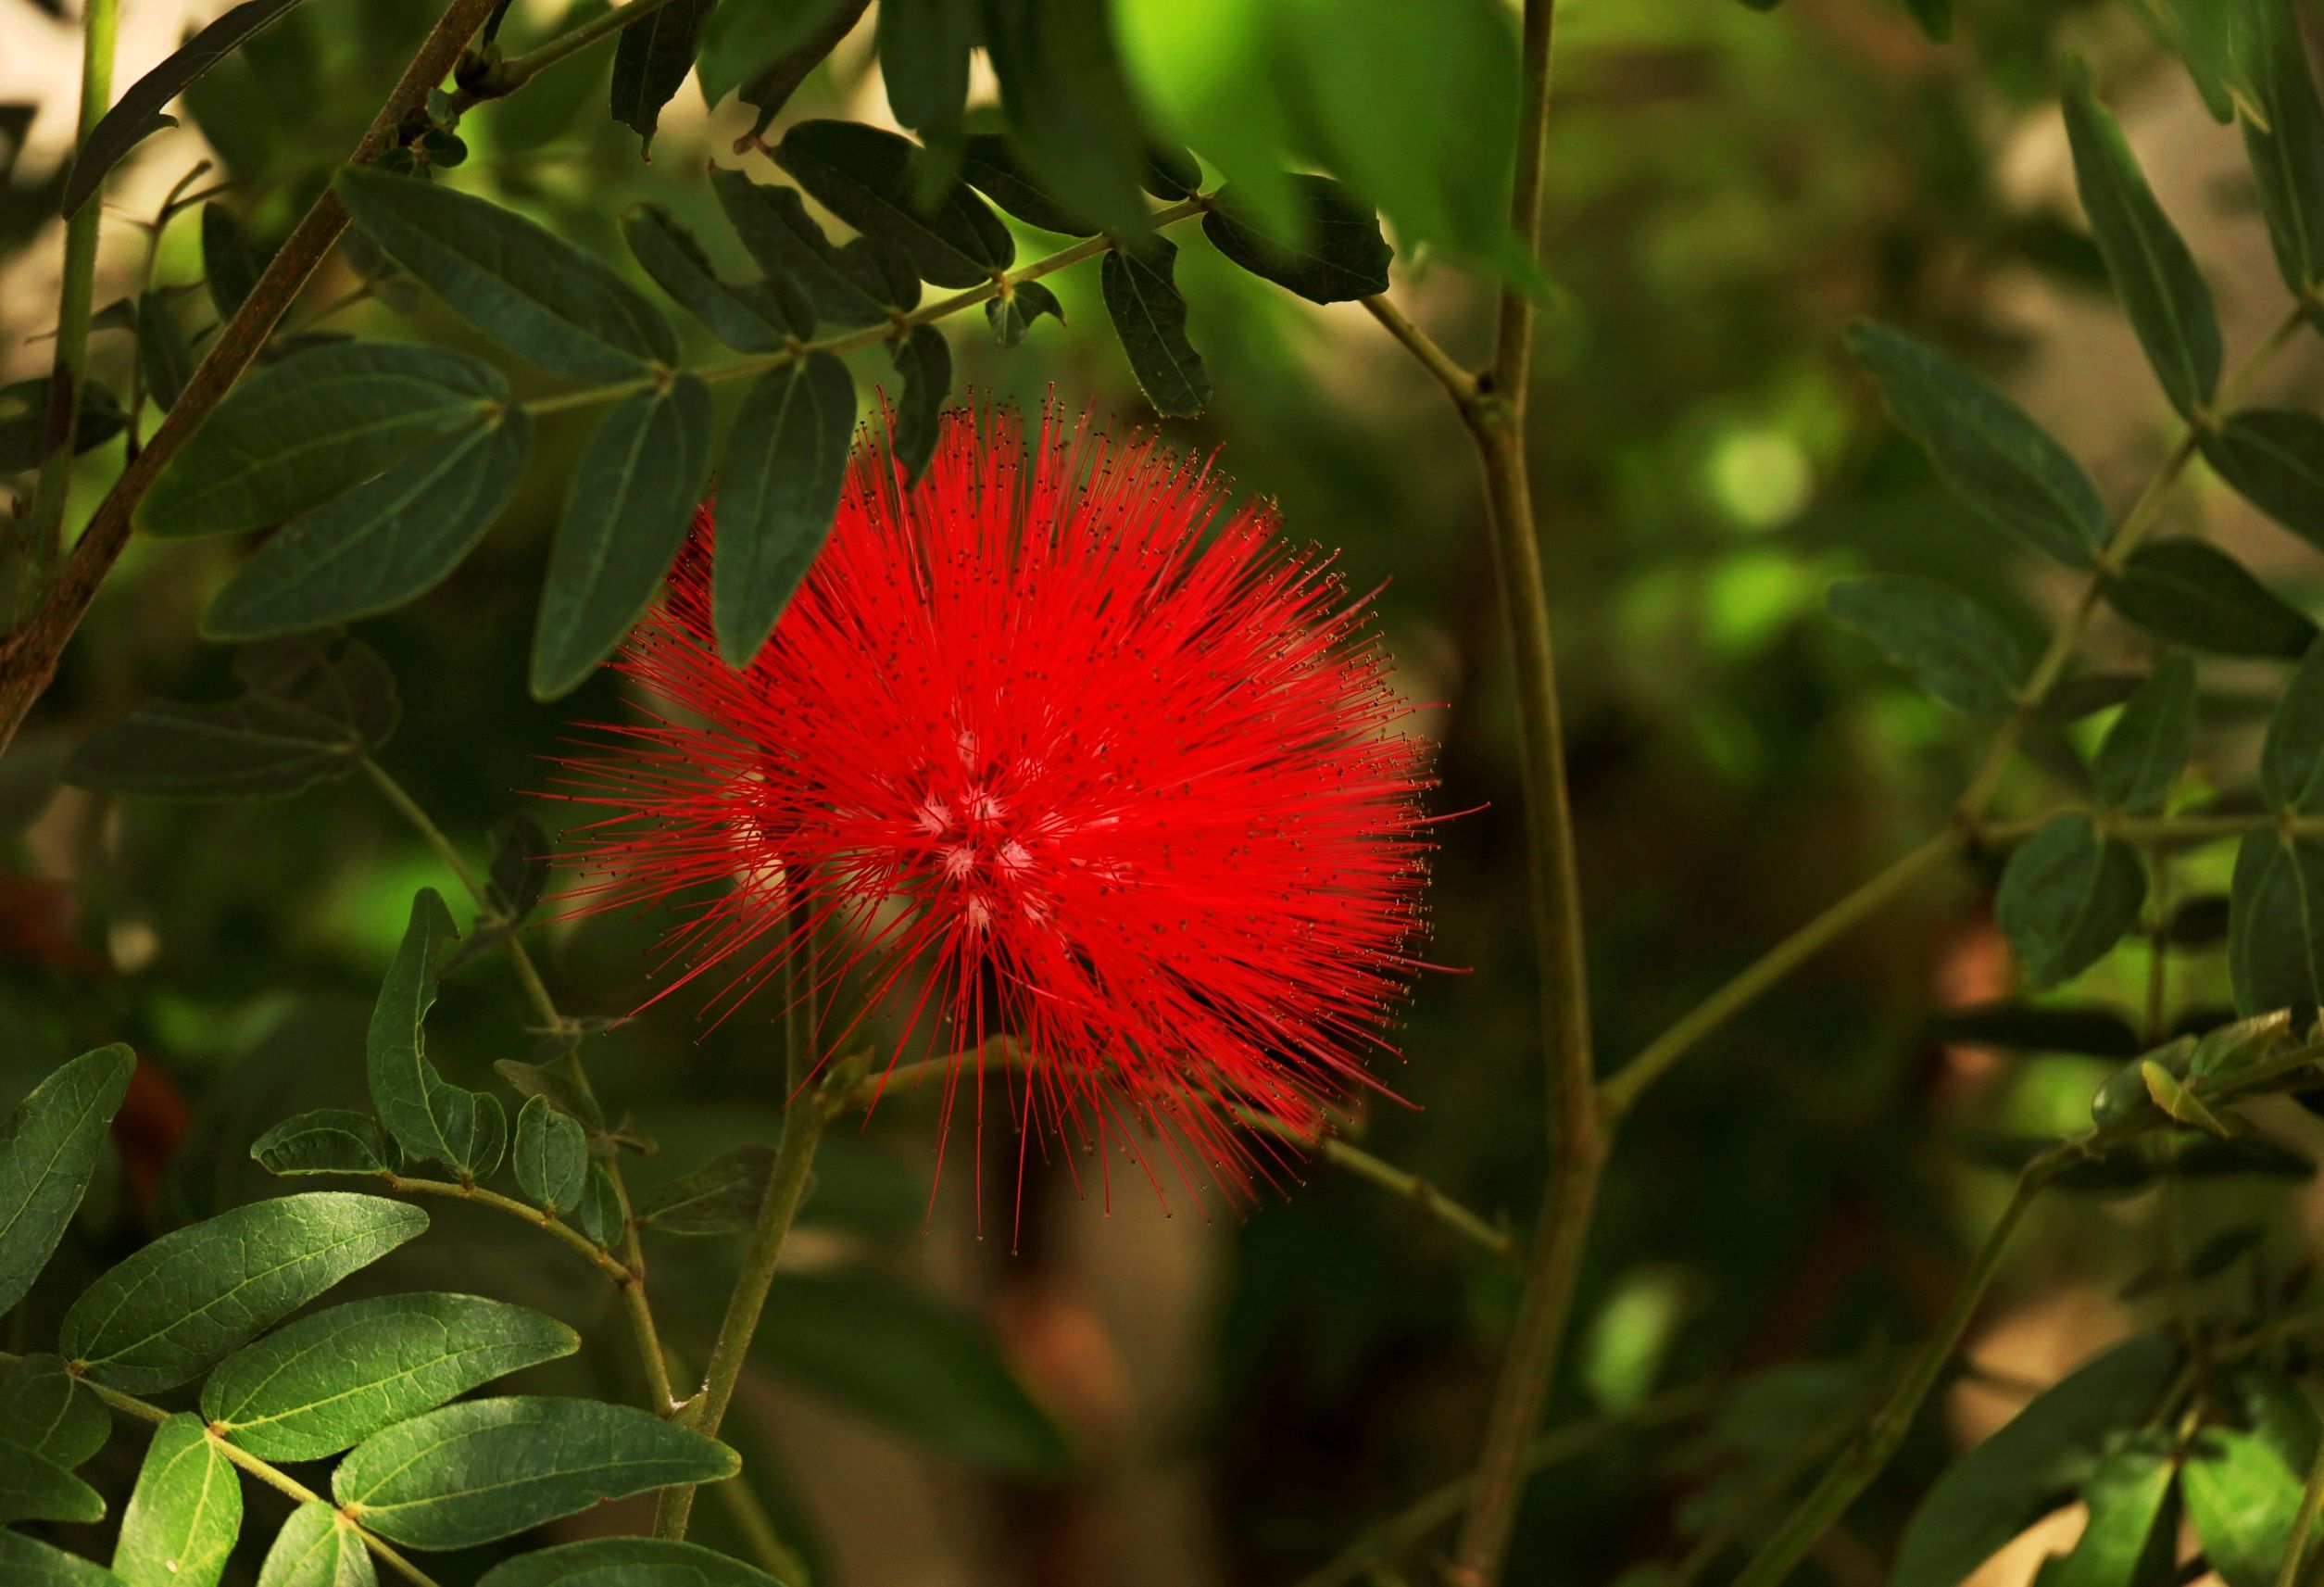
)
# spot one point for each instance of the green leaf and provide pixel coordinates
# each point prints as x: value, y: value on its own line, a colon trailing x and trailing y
x: 1011, y: 316
x: 2184, y: 1107
x: 1172, y: 173
x: 24, y: 1563
x: 520, y: 284
x: 787, y: 461
x: 1989, y: 449
x: 35, y: 1488
x: 757, y: 46
x: 924, y: 47
x: 1954, y: 647
x: 23, y: 431
x: 753, y: 319
x: 624, y: 1562
x: 310, y: 713
x: 2277, y: 1412
x: 552, y: 1157
x: 318, y: 1547
x: 1070, y: 110
x: 196, y: 1294
x: 910, y: 1362
x: 651, y: 60
x: 2154, y: 275
x: 1332, y: 251
x: 2291, y: 757
x: 329, y: 1381
x: 483, y: 1469
x: 775, y: 226
x: 2271, y: 457
x: 386, y: 542
x: 2122, y: 1544
x: 429, y: 1117
x: 720, y: 1197
x: 1999, y: 1488
x: 599, y: 1214
x: 1150, y: 319
x: 2067, y: 897
x: 184, y: 1513
x: 873, y: 180
x: 2196, y: 594
x: 2145, y: 750
x: 2242, y: 1500
x: 2285, y: 141
x: 551, y: 1082
x: 136, y: 115
x: 46, y: 1411
x: 305, y: 431
x: 2275, y: 950
x: 165, y: 354
x: 925, y: 359
x: 990, y: 164
x: 328, y: 1140
x: 2238, y: 1044
x: 633, y: 497
x: 48, y: 1150
x: 230, y: 265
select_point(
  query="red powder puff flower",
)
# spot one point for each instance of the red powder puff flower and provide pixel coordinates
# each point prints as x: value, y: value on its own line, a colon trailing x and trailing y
x: 1034, y: 758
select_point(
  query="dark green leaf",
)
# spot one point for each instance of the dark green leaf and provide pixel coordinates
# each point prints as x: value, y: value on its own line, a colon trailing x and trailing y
x: 2285, y: 141
x: 652, y: 58
x: 136, y: 115
x: 46, y: 1411
x: 2291, y: 757
x: 1331, y: 252
x: 48, y: 1149
x: 2086, y: 695
x: 520, y: 284
x: 23, y: 428
x: 1987, y: 447
x: 1150, y: 318
x: 196, y: 1294
x: 2275, y: 950
x: 429, y: 1117
x: 599, y: 1214
x: 2092, y: 1029
x: 2224, y: 1049
x: 774, y: 224
x: 786, y: 460
x: 760, y: 45
x: 871, y: 180
x: 164, y: 352
x: 229, y: 264
x: 2067, y: 897
x: 386, y: 542
x: 1935, y: 18
x: 2242, y: 1499
x: 2127, y: 1495
x: 2275, y: 459
x: 1952, y: 646
x: 184, y: 1513
x: 752, y: 319
x: 24, y: 1563
x: 1171, y: 173
x: 307, y: 715
x: 1026, y: 302
x: 925, y: 360
x: 330, y: 1380
x: 482, y: 1469
x: 2154, y: 275
x: 2003, y: 1484
x: 301, y: 432
x: 552, y: 1157
x: 318, y: 1547
x: 328, y: 1140
x: 624, y: 1562
x: 924, y: 47
x: 990, y: 164
x: 910, y: 1361
x: 2194, y: 592
x: 631, y: 499
x: 1074, y: 116
x: 2145, y: 750
x: 35, y: 1488
x: 2277, y: 1412
x: 550, y: 1082
x: 720, y: 1197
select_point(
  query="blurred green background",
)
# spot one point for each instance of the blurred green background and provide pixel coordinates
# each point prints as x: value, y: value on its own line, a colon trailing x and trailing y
x: 1242, y: 1391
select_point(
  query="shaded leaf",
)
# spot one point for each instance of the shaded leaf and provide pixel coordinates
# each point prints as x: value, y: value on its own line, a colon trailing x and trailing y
x: 328, y: 1140
x: 599, y: 1215
x: 1330, y: 252
x: 165, y: 354
x: 429, y: 1117
x: 2285, y: 141
x: 25, y: 424
x: 1011, y: 315
x: 318, y: 1547
x: 775, y: 226
x: 184, y: 1513
x: 720, y: 1197
x: 651, y: 60
x: 25, y: 1563
x: 2240, y: 1499
x: 48, y: 1150
x: 872, y: 180
x: 2067, y: 897
x: 991, y: 163
x: 552, y: 1157
x: 624, y: 1562
x: 2275, y: 459
x: 2145, y: 750
x: 2196, y: 594
x: 550, y: 1082
x: 34, y: 1488
x: 786, y: 461
x: 749, y: 319
x: 2291, y: 757
x: 46, y: 1411
x: 924, y: 47
x: 1954, y: 647
x: 1072, y: 115
x: 2122, y: 1546
x: 229, y: 264
x: 2276, y: 928
x: 1150, y: 319
x: 925, y: 360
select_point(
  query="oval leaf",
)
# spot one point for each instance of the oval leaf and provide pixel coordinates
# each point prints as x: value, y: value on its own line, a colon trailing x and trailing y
x: 429, y: 1117
x: 1150, y: 319
x: 2196, y: 594
x: 774, y: 224
x: 552, y: 1156
x: 876, y: 180
x: 624, y: 1562
x: 720, y: 1197
x: 2243, y: 1501
x: 754, y: 319
x: 184, y: 1513
x: 2274, y: 458
x: 925, y: 359
x: 48, y: 1150
x: 25, y: 1563
x: 787, y: 461
x: 1954, y: 646
x: 328, y: 1140
x: 2067, y: 897
x: 46, y: 1411
x: 318, y: 1547
x: 2291, y: 757
x: 2275, y: 950
x: 2285, y: 141
x: 1331, y: 251
x: 2145, y: 750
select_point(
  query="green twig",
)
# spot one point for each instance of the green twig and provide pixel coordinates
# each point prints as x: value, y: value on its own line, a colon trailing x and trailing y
x: 538, y: 1217
x: 2302, y: 1523
x: 1397, y: 1182
x: 517, y: 70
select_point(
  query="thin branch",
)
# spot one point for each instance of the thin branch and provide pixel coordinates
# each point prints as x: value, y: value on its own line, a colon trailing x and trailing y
x: 536, y: 1218
x: 513, y: 74
x: 1458, y: 382
x: 1405, y: 1186
x: 2302, y: 1523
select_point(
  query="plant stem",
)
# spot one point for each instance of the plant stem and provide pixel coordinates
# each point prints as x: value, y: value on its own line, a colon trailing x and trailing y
x: 538, y: 1217
x: 803, y: 1124
x: 1458, y: 382
x: 1410, y: 1187
x: 2303, y: 1522
x: 29, y: 654
x: 517, y: 71
x: 273, y: 1476
x: 100, y: 23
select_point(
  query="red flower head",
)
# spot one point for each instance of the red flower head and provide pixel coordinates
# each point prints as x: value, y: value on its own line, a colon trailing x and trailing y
x: 1037, y: 759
